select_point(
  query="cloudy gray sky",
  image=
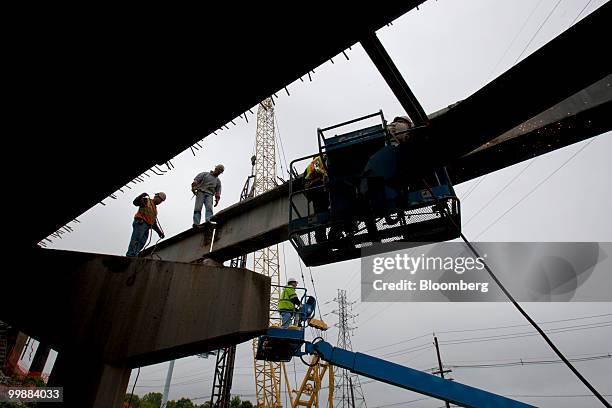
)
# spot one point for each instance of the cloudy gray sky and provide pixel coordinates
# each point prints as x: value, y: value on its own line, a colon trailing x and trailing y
x: 446, y: 51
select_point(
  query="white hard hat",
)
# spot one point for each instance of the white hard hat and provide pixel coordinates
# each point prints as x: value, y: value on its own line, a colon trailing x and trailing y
x: 292, y: 280
x: 161, y: 195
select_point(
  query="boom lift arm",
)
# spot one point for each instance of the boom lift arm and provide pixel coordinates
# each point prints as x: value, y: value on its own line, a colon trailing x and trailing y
x: 282, y: 344
x: 408, y: 378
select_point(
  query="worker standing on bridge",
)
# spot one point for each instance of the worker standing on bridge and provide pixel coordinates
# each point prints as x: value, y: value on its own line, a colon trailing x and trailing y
x: 145, y: 220
x: 288, y: 302
x: 206, y: 185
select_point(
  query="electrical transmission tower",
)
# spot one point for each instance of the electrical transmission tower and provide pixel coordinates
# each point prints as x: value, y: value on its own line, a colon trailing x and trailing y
x: 347, y: 386
x: 222, y: 381
x: 266, y: 261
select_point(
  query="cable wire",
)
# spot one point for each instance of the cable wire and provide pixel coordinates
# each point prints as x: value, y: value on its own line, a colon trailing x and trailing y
x: 522, y: 325
x: 522, y: 362
x: 511, y: 298
x: 535, y: 188
x: 499, y: 192
x: 515, y: 37
x: 281, y: 145
x: 537, y: 32
x: 581, y: 11
x: 471, y: 190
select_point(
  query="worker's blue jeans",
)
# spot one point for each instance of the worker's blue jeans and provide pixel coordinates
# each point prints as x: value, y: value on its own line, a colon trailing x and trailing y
x: 140, y: 235
x: 206, y: 200
x: 287, y: 317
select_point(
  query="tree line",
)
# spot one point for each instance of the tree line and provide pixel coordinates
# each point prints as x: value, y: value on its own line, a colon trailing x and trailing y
x: 154, y: 399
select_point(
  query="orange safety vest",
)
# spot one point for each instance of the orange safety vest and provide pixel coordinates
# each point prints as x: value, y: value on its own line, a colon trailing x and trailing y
x: 315, y: 170
x: 147, y: 212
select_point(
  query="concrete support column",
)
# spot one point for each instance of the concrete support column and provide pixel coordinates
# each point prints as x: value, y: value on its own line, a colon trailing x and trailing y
x: 88, y: 381
x: 107, y: 314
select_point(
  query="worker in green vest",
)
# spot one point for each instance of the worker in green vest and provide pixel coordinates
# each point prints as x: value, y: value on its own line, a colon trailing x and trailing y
x: 288, y: 302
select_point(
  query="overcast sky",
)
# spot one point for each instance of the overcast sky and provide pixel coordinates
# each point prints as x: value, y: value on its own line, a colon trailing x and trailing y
x: 446, y: 51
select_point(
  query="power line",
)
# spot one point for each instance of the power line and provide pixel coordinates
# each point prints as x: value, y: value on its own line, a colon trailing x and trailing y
x: 529, y: 43
x: 524, y: 324
x: 557, y: 396
x: 380, y: 295
x: 515, y: 37
x: 535, y: 188
x: 280, y: 140
x: 376, y: 314
x: 399, y: 342
x: 507, y: 395
x: 526, y: 334
x: 402, y: 403
x: 499, y: 192
x: 427, y: 346
x: 509, y: 335
x: 526, y: 358
x: 522, y: 311
x: 492, y: 328
x: 537, y: 32
x: 522, y: 362
x: 471, y: 190
x: 581, y: 11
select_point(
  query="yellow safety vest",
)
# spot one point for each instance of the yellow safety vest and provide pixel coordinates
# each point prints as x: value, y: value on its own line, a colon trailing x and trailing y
x: 315, y: 171
x: 285, y: 302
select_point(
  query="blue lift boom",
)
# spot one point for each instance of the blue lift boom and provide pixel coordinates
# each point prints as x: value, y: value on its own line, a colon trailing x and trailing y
x: 282, y: 344
x: 410, y: 379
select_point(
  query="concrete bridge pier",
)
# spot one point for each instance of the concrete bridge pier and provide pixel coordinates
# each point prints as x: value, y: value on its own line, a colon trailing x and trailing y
x: 108, y: 314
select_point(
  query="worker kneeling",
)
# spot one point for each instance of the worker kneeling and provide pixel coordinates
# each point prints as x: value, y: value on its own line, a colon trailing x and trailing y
x: 288, y: 302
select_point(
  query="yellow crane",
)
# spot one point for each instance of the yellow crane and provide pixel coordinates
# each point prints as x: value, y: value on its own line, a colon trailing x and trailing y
x: 266, y: 261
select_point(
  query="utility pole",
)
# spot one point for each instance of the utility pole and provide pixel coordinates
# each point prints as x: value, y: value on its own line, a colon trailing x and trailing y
x: 441, y: 370
x: 167, y: 385
x: 351, y: 394
x: 266, y: 261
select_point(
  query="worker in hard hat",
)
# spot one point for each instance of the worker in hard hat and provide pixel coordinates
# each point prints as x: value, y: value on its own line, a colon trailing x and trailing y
x: 315, y: 175
x: 381, y: 181
x: 205, y: 186
x: 288, y: 302
x: 399, y: 129
x: 145, y: 220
